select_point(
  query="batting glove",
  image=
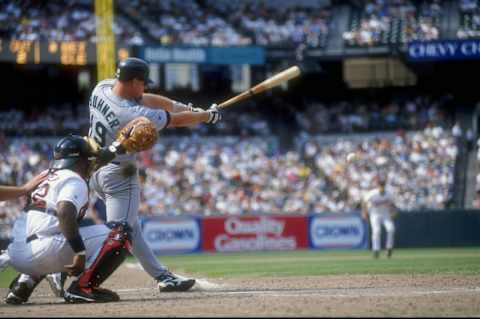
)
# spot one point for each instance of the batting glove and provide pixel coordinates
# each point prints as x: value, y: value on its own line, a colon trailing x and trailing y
x: 214, y: 114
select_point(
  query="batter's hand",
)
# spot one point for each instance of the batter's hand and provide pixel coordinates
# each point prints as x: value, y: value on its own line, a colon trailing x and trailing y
x: 77, y: 266
x: 214, y: 114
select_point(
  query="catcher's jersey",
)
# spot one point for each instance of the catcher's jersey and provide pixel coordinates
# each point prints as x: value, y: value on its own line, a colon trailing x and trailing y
x: 109, y: 113
x: 61, y: 185
x: 378, y: 203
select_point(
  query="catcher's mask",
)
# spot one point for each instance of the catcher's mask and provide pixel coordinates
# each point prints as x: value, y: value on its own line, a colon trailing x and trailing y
x: 70, y: 150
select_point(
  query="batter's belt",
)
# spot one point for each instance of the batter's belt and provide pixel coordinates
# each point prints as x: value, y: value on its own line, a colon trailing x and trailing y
x: 31, y: 238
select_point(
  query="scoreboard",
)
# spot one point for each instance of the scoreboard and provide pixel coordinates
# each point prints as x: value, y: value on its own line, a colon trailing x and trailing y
x: 56, y: 52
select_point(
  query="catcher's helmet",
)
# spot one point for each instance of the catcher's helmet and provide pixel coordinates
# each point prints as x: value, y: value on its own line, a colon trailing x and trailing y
x: 133, y: 68
x: 69, y: 150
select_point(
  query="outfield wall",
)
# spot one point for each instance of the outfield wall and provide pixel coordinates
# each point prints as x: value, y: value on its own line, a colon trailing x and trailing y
x: 197, y: 233
x: 446, y: 228
x: 188, y: 234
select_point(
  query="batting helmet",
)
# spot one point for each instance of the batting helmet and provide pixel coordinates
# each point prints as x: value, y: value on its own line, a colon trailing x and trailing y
x: 69, y: 150
x: 133, y: 68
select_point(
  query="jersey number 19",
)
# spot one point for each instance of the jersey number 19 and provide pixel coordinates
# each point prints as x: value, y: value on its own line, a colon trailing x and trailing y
x: 97, y: 131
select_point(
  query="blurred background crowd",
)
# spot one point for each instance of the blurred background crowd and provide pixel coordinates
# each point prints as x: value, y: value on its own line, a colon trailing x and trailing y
x: 236, y: 22
x: 249, y: 173
x: 274, y: 154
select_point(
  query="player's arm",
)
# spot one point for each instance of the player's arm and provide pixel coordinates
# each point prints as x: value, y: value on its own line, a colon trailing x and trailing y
x: 67, y: 216
x: 155, y: 101
x: 186, y: 119
x: 12, y: 192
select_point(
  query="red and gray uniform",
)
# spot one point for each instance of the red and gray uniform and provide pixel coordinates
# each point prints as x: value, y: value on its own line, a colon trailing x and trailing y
x: 114, y: 183
x: 38, y: 246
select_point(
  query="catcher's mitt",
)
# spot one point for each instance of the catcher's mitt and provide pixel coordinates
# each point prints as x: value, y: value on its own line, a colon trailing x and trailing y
x: 138, y: 135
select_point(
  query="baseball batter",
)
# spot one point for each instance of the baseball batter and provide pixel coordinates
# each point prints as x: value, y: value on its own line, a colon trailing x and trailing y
x: 47, y: 238
x: 113, y: 103
x: 379, y: 206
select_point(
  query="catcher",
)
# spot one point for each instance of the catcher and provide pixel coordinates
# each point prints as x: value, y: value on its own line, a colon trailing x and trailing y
x: 47, y: 238
x: 113, y: 103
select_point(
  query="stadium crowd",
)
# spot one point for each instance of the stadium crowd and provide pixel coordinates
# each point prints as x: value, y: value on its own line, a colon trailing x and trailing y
x: 277, y: 25
x: 469, y: 19
x: 224, y: 23
x: 60, y: 120
x: 65, y: 20
x: 400, y: 112
x: 381, y: 22
x: 55, y: 120
x: 238, y: 175
x: 218, y: 23
x: 418, y: 166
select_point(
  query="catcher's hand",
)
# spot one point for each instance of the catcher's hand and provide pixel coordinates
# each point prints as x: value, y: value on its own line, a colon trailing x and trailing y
x: 77, y: 266
x: 138, y: 135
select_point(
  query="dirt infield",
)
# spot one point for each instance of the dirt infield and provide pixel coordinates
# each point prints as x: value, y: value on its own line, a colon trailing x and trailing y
x: 324, y: 296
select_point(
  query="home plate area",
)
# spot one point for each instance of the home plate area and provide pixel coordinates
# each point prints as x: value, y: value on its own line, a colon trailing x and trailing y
x: 348, y: 295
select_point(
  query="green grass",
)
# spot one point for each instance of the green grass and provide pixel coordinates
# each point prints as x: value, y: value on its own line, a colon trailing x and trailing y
x: 460, y: 261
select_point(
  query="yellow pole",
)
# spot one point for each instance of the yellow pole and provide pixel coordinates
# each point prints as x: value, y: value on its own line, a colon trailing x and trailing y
x: 105, y: 39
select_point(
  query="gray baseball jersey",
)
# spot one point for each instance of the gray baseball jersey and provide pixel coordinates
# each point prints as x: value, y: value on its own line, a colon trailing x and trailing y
x: 116, y: 183
x: 109, y: 113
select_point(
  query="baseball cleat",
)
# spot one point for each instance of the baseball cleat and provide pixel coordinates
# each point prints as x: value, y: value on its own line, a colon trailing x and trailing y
x: 77, y: 294
x: 376, y: 254
x: 56, y: 282
x: 19, y: 292
x: 168, y: 282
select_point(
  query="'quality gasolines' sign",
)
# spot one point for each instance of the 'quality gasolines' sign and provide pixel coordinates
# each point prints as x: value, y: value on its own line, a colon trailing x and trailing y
x: 253, y: 233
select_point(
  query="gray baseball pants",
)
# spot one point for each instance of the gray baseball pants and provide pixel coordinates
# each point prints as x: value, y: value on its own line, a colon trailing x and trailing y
x: 118, y: 186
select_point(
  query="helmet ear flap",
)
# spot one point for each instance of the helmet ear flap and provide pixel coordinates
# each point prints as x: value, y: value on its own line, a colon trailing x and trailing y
x: 69, y: 151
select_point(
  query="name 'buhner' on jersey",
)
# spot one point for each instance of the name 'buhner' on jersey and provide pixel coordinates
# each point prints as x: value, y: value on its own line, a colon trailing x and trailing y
x: 109, y: 113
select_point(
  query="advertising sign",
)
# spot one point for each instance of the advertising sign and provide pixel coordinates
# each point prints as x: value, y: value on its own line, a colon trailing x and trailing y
x: 332, y: 231
x: 254, y: 233
x: 209, y: 55
x: 443, y: 50
x: 172, y: 235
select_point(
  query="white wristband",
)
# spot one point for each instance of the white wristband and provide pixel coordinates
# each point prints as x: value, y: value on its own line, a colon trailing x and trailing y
x: 180, y: 107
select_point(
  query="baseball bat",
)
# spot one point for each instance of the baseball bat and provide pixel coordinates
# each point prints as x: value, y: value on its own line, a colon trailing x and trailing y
x: 269, y: 83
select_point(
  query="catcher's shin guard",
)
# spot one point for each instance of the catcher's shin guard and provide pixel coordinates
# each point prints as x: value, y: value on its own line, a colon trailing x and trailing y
x: 111, y: 255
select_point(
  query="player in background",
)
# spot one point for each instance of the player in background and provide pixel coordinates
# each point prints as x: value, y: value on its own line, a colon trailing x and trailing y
x: 47, y: 238
x: 113, y: 103
x: 379, y: 206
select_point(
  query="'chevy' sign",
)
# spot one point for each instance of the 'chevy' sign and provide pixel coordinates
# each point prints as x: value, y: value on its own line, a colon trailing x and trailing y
x: 444, y: 50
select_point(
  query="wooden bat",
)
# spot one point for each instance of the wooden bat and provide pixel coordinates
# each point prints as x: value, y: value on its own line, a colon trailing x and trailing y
x: 271, y: 82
